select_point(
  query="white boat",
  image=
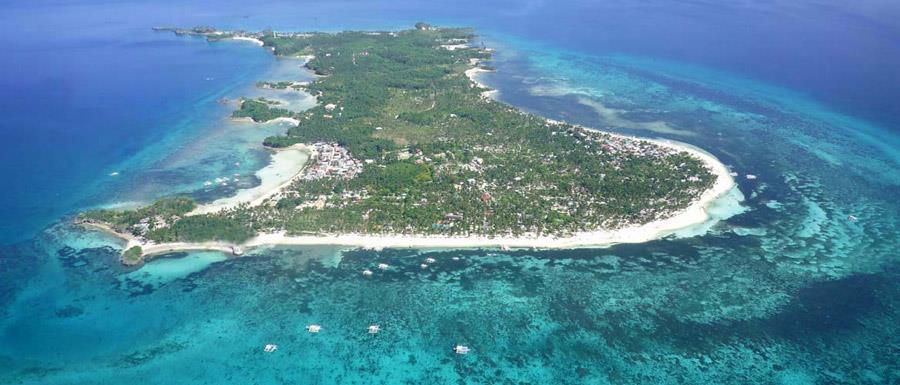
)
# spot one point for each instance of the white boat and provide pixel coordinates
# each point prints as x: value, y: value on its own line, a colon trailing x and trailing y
x: 424, y: 266
x: 852, y: 218
x: 374, y: 329
x: 313, y: 328
x: 751, y: 176
x: 430, y: 260
x: 114, y: 173
x: 270, y: 348
x: 383, y: 266
x: 367, y: 273
x: 461, y: 349
x: 455, y: 258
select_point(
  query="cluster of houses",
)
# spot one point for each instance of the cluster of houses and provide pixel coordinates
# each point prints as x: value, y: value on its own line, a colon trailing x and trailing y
x: 332, y: 160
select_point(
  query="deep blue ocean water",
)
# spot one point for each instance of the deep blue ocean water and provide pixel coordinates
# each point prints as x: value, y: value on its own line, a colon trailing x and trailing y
x: 790, y: 291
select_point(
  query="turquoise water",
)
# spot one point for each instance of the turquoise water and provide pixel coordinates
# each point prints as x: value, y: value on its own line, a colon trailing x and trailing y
x: 790, y: 291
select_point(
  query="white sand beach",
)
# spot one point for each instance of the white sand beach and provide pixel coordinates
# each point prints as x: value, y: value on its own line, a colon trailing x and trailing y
x: 454, y: 47
x: 250, y: 39
x: 286, y: 165
x: 292, y: 121
x: 695, y: 214
x: 151, y: 249
x: 305, y: 59
x: 472, y: 74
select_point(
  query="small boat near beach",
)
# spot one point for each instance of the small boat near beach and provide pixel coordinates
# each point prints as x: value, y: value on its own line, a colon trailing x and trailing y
x: 313, y: 328
x: 461, y: 349
x: 852, y: 218
x: 270, y: 348
x: 430, y: 260
x: 367, y: 273
x: 751, y: 177
x: 383, y: 266
x: 374, y: 329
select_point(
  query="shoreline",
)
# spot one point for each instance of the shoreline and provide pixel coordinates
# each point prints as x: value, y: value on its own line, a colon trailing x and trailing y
x: 250, y: 39
x: 247, y: 119
x: 286, y: 166
x: 472, y: 74
x: 695, y: 214
x: 289, y: 163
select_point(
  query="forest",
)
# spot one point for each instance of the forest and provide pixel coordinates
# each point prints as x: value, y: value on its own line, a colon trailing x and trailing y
x: 260, y: 110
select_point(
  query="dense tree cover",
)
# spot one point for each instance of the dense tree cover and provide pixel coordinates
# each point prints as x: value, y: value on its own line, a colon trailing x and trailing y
x: 443, y: 159
x: 415, y: 91
x: 260, y: 110
x: 196, y: 228
x: 166, y: 220
x: 163, y: 208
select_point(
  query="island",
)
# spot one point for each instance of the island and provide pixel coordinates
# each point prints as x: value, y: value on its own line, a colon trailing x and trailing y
x: 405, y: 148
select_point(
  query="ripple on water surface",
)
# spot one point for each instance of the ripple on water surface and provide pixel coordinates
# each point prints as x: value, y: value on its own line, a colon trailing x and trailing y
x: 790, y: 291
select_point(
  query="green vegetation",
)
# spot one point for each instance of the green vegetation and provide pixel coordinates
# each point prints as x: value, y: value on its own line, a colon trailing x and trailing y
x: 133, y: 256
x: 439, y: 157
x: 161, y: 209
x: 282, y: 85
x: 166, y: 221
x: 260, y: 110
x: 198, y: 228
